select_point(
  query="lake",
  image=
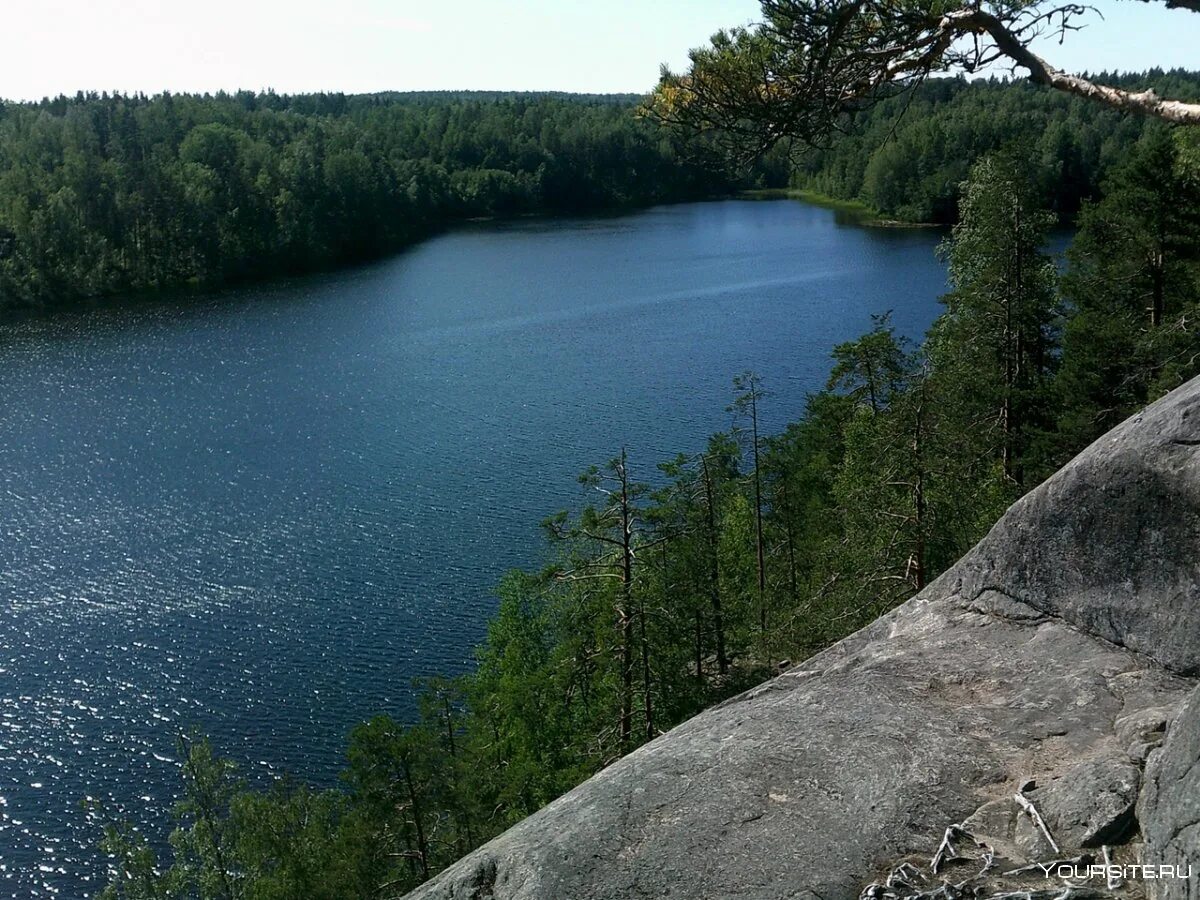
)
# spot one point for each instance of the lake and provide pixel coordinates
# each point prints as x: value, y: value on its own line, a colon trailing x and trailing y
x: 264, y: 512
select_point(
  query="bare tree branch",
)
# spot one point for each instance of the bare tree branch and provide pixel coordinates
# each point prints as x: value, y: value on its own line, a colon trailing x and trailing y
x: 1145, y: 103
x: 811, y: 64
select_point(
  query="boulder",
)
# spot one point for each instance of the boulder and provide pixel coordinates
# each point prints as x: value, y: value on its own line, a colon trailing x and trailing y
x: 1111, y: 543
x: 1169, y: 808
x: 1041, y: 656
x: 1092, y: 803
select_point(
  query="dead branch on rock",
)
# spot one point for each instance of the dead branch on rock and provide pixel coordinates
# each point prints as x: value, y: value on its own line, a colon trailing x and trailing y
x: 946, y: 849
x: 907, y: 881
x: 959, y: 845
x: 989, y: 857
x: 1030, y: 810
x: 1113, y: 879
x: 905, y: 875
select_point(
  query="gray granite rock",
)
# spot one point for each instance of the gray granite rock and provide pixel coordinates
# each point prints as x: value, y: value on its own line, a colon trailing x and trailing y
x: 1169, y: 809
x: 1092, y: 803
x: 1111, y: 544
x: 1041, y: 650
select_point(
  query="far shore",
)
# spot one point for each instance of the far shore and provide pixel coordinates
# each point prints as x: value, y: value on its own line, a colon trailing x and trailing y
x: 859, y: 211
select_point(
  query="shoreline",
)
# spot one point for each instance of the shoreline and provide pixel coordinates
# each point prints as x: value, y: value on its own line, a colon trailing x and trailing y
x: 11, y: 314
x: 857, y: 212
x: 862, y: 213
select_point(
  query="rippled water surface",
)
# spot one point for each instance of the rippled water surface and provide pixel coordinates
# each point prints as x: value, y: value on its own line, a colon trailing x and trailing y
x: 265, y: 512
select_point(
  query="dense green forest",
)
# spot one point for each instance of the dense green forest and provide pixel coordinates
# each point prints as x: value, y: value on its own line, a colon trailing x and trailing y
x: 104, y: 194
x: 108, y: 194
x: 669, y: 589
x: 907, y: 155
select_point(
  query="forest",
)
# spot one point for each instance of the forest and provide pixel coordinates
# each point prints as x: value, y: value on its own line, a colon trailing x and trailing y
x: 108, y: 194
x: 906, y: 155
x: 677, y: 583
x: 104, y: 194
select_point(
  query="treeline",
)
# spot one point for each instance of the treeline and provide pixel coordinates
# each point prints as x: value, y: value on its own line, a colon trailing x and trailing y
x: 659, y: 600
x: 103, y: 194
x: 907, y: 156
x: 106, y: 194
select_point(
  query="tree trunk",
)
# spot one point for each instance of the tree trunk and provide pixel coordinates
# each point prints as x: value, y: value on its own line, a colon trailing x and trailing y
x: 714, y: 570
x: 417, y: 818
x: 758, y: 526
x: 919, y: 567
x: 790, y: 538
x: 647, y: 697
x: 624, y: 617
x: 1157, y: 291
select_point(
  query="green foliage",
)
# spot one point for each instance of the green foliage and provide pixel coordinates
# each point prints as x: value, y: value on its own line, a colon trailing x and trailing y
x: 1133, y: 287
x: 908, y: 155
x: 285, y: 842
x: 873, y: 368
x: 997, y: 343
x: 103, y: 194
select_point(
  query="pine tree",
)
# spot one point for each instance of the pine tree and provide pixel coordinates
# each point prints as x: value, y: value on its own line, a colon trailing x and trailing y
x: 1133, y: 285
x: 993, y: 351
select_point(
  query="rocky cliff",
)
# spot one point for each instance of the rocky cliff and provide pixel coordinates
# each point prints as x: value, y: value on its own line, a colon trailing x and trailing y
x: 1029, y: 706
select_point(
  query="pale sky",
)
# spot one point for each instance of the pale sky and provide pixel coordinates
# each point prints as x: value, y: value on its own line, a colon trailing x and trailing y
x: 61, y: 46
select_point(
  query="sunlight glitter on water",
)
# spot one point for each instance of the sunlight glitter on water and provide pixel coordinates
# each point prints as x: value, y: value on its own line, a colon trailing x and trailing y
x: 266, y: 512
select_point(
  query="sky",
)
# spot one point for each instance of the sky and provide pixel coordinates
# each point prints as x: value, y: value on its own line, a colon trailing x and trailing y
x: 49, y: 47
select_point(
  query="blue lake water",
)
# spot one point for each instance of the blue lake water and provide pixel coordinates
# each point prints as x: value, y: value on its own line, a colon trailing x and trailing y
x: 266, y: 511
